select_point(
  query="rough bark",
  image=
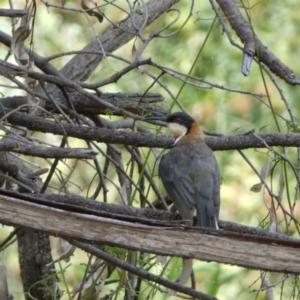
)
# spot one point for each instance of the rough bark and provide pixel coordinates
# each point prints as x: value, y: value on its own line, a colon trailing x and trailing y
x: 263, y: 253
x: 137, y: 103
x: 34, y: 248
x: 34, y: 254
x: 106, y: 135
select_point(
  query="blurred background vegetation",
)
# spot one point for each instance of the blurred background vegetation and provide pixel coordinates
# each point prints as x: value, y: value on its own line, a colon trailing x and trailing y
x: 201, y: 44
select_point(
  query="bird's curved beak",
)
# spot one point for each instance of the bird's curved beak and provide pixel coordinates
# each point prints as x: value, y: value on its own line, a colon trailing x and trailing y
x: 156, y: 118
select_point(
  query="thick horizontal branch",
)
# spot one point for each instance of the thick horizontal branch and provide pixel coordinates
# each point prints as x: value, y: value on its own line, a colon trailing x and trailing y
x: 137, y: 103
x: 148, y: 216
x: 239, y: 142
x: 148, y: 140
x: 46, y: 152
x: 208, y: 245
x: 13, y: 13
x: 80, y: 204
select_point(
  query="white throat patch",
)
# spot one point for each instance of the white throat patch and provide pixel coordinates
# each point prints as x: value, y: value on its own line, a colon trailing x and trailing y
x: 177, y: 130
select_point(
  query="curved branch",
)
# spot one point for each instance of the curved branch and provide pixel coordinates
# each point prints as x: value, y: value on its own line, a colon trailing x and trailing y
x: 253, y: 46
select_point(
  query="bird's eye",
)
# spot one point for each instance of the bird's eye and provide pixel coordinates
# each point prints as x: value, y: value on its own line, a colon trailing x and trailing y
x: 178, y: 120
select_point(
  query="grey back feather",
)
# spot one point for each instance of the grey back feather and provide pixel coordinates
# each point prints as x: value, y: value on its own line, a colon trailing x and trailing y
x: 191, y: 178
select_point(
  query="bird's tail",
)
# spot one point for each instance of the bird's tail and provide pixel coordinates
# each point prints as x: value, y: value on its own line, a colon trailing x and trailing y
x: 206, y: 214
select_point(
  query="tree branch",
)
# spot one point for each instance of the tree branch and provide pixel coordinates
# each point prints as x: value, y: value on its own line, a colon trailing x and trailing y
x: 137, y: 103
x: 148, y: 140
x: 210, y: 245
x: 252, y: 45
x: 148, y: 216
x: 46, y: 152
x: 13, y: 13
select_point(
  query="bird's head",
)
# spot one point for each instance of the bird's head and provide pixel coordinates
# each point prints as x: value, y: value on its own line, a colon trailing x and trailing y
x: 179, y: 124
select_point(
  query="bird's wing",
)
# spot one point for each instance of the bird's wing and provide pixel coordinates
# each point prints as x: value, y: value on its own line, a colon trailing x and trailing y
x: 204, y: 173
x: 178, y: 186
x: 216, y: 191
x: 193, y: 183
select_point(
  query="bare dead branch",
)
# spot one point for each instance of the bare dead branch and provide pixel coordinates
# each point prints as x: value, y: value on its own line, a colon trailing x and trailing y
x: 252, y: 45
x: 204, y: 244
x: 114, y: 78
x: 13, y: 13
x: 75, y: 203
x: 235, y: 227
x: 46, y: 152
x: 148, y: 140
x: 15, y: 181
x: 137, y: 103
x: 146, y: 216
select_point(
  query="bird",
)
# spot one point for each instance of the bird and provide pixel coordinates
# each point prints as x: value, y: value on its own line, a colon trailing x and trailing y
x: 190, y: 172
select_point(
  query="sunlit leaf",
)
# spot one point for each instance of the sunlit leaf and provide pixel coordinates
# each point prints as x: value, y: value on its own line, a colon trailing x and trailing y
x: 91, y: 12
x: 256, y: 187
x: 264, y: 172
x: 187, y: 267
x: 64, y: 249
x: 18, y: 39
x: 281, y: 186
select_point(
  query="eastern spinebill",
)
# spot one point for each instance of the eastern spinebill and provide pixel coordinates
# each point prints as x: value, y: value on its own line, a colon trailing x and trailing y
x: 190, y: 172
